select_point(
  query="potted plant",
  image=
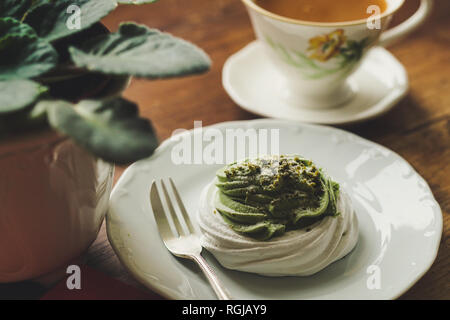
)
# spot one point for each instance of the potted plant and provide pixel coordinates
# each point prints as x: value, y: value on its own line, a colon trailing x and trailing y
x: 63, y: 122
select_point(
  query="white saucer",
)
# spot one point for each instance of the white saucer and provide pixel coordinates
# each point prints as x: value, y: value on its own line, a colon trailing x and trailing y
x: 249, y: 78
x: 400, y: 222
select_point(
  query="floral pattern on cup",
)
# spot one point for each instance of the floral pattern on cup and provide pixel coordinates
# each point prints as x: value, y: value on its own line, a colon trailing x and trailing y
x: 333, y: 47
x: 325, y: 47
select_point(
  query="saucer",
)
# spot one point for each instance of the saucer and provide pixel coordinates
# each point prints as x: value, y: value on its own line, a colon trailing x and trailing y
x: 400, y: 222
x: 251, y: 81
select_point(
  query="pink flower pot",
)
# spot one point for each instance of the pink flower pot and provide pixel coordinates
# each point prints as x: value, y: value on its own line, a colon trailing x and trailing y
x: 53, y: 199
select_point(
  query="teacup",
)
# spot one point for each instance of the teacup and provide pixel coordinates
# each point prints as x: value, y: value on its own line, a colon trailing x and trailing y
x: 316, y: 59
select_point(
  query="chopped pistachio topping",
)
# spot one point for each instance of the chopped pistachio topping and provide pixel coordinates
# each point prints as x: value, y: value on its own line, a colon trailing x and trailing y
x: 264, y: 197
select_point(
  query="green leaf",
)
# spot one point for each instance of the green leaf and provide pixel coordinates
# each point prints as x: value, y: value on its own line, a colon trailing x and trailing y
x: 11, y: 26
x: 135, y: 1
x: 22, y: 53
x: 139, y: 51
x: 78, y: 87
x: 14, y: 8
x: 16, y: 95
x: 62, y: 46
x: 110, y: 129
x: 54, y: 20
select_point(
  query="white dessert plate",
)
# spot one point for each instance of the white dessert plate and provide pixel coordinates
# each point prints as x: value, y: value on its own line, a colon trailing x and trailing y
x: 253, y: 83
x: 400, y: 221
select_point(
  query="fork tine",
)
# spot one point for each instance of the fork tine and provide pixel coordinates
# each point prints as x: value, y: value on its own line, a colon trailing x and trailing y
x: 175, y: 219
x: 158, y: 212
x: 182, y: 208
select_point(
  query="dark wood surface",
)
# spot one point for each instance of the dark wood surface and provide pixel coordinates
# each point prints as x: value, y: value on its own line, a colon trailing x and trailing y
x: 418, y: 128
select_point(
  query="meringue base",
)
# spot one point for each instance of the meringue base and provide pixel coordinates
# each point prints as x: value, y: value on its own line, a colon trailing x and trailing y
x: 301, y: 252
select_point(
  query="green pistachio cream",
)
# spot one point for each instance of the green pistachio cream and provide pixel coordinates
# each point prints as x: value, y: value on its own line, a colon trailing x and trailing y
x: 265, y: 197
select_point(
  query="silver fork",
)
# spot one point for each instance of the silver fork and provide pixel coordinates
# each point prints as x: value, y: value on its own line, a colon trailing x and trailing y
x: 185, y: 244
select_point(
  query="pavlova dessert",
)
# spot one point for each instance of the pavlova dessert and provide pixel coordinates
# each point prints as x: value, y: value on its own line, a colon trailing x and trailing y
x: 276, y: 216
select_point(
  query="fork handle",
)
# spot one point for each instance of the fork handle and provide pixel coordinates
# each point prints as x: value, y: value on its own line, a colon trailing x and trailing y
x: 217, y: 286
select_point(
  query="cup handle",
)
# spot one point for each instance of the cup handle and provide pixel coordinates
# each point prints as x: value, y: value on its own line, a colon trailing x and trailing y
x: 399, y: 32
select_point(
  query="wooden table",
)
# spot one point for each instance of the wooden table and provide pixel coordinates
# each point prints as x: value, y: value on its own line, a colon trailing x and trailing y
x: 418, y: 128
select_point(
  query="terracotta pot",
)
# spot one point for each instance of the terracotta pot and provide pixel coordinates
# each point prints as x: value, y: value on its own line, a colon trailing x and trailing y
x: 54, y: 196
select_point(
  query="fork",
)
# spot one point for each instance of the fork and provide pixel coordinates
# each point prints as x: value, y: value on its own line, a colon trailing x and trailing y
x: 184, y: 243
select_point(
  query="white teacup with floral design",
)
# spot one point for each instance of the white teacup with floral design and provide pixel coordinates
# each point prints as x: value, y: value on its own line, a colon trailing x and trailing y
x: 316, y: 59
